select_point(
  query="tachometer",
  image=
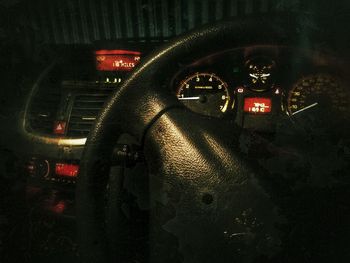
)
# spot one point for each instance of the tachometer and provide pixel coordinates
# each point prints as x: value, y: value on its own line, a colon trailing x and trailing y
x: 204, y: 93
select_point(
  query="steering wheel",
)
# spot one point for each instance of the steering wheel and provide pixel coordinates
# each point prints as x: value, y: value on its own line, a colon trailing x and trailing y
x: 214, y: 207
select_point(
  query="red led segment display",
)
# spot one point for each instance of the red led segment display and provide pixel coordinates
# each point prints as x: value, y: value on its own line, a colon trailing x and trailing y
x: 116, y: 60
x: 64, y: 169
x: 257, y: 105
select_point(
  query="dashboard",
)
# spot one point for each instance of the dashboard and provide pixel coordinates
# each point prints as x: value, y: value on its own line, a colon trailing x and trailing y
x: 258, y: 87
x: 283, y: 95
x: 266, y: 90
x: 289, y: 111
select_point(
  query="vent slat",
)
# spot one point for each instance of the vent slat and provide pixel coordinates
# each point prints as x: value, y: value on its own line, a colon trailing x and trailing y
x: 95, y: 108
x: 85, y: 109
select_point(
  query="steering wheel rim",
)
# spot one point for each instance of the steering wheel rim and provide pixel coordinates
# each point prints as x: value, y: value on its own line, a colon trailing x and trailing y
x: 157, y: 109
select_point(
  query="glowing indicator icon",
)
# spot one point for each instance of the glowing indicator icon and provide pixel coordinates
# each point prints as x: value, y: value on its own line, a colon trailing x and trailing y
x: 257, y: 105
x: 59, y: 127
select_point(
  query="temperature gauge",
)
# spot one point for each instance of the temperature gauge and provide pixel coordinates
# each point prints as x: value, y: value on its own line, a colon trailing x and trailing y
x: 260, y: 73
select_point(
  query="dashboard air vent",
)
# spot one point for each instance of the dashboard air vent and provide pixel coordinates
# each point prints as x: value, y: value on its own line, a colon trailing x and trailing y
x: 86, y: 106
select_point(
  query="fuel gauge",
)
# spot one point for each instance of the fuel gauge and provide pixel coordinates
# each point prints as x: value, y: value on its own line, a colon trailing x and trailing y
x: 260, y: 73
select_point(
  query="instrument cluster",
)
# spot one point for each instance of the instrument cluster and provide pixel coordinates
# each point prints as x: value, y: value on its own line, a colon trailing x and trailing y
x: 257, y: 88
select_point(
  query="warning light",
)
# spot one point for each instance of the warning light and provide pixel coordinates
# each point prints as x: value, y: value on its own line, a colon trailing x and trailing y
x: 257, y: 105
x: 116, y: 60
x: 59, y: 207
x: 59, y: 127
x: 64, y: 169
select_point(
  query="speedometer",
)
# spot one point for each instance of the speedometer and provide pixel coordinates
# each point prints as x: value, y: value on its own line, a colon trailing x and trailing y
x: 204, y: 93
x: 321, y: 92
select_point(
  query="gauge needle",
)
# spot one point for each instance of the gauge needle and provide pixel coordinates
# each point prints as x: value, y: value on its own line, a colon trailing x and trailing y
x: 189, y: 98
x: 305, y: 108
x: 256, y: 76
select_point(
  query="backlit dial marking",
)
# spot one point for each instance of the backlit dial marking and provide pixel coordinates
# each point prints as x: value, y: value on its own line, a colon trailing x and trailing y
x: 204, y: 93
x: 321, y: 92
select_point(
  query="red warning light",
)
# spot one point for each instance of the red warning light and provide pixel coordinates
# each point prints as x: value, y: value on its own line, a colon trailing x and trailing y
x: 257, y: 105
x: 59, y: 207
x: 59, y: 127
x: 116, y: 60
x: 64, y: 169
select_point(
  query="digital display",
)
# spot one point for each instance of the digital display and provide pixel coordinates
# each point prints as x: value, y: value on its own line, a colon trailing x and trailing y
x: 116, y: 60
x: 257, y: 105
x: 64, y: 169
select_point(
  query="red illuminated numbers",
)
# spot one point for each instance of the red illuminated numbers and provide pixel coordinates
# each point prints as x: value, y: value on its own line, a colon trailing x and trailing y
x: 257, y: 105
x: 64, y: 169
x: 116, y: 60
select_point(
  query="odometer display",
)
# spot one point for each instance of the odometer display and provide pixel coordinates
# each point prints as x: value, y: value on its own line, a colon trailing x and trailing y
x: 116, y: 60
x: 204, y: 93
x: 257, y: 105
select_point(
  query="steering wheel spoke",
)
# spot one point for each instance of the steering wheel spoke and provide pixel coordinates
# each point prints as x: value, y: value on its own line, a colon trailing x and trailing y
x: 199, y: 175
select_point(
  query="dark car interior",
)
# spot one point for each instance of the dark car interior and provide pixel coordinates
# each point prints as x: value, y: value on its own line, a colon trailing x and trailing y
x: 175, y: 131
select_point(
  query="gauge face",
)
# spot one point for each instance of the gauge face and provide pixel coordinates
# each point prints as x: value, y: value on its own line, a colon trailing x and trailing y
x: 204, y: 93
x: 320, y: 101
x: 260, y: 73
